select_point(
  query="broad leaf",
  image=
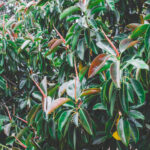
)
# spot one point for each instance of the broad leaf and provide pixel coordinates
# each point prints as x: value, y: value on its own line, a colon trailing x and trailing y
x: 123, y: 131
x: 63, y: 119
x: 139, y: 31
x: 126, y: 43
x: 84, y: 120
x: 57, y: 103
x: 115, y: 73
x: 138, y: 88
x: 97, y: 64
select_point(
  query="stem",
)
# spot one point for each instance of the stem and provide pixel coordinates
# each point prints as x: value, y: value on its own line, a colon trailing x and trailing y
x: 8, y: 113
x: 109, y: 41
x: 39, y: 89
x: 24, y: 146
x: 60, y: 35
x: 22, y: 119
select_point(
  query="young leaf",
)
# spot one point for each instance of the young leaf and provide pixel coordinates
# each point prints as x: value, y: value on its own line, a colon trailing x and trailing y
x: 126, y: 43
x: 57, y: 103
x: 97, y: 64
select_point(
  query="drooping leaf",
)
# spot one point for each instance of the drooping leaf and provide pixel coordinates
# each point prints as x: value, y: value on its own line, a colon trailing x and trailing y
x: 147, y: 38
x: 99, y: 106
x: 138, y: 88
x: 138, y: 63
x: 81, y: 49
x: 63, y: 119
x: 97, y: 64
x: 84, y: 120
x: 123, y: 131
x: 136, y: 114
x: 115, y: 73
x: 134, y: 132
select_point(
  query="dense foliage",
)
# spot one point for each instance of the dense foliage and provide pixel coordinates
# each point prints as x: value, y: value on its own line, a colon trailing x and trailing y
x: 74, y: 74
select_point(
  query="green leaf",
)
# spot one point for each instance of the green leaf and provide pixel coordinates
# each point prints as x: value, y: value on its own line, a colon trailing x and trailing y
x: 140, y: 64
x: 99, y: 106
x: 2, y: 83
x: 75, y: 39
x: 115, y: 73
x: 81, y: 49
x: 97, y: 9
x: 138, y: 88
x: 93, y: 47
x: 112, y: 102
x: 83, y: 72
x: 43, y: 85
x: 69, y: 11
x: 41, y: 2
x: 136, y: 114
x: 84, y: 120
x: 134, y: 132
x: 63, y: 119
x: 3, y: 118
x: 124, y: 97
x: 123, y: 131
x: 139, y: 31
x: 147, y: 38
x: 25, y: 44
x: 111, y: 4
x: 147, y: 17
x: 31, y: 115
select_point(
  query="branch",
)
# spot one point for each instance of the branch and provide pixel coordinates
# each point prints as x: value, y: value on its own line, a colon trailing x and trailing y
x: 109, y: 41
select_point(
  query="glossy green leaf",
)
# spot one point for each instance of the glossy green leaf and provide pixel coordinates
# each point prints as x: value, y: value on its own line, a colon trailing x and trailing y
x: 123, y: 131
x: 138, y: 88
x: 139, y: 31
x: 147, y: 38
x: 136, y: 114
x: 134, y: 132
x: 69, y: 11
x: 63, y: 119
x: 81, y: 49
x: 99, y: 106
x: 147, y: 17
x: 115, y: 73
x: 84, y: 120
